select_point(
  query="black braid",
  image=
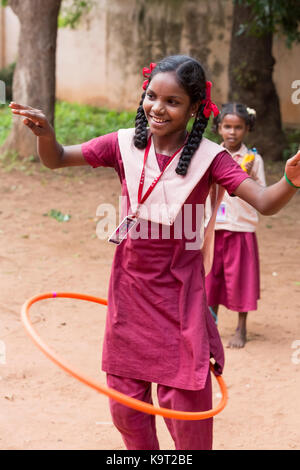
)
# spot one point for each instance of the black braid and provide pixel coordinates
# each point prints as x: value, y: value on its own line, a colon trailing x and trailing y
x: 140, y: 136
x: 193, y: 142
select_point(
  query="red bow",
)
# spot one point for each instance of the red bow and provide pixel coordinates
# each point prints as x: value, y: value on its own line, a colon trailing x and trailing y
x: 146, y: 73
x: 209, y: 107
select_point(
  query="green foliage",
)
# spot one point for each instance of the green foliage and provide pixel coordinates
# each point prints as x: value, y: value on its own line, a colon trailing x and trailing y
x: 5, y: 123
x: 72, y: 11
x: 209, y: 133
x: 273, y: 16
x: 75, y: 123
x: 58, y: 215
x: 293, y: 139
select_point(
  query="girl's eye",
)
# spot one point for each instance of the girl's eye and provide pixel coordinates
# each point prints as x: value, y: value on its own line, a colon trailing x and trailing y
x: 173, y: 102
x: 150, y: 95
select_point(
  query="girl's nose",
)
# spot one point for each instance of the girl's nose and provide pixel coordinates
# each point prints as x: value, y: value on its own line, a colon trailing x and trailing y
x: 157, y: 107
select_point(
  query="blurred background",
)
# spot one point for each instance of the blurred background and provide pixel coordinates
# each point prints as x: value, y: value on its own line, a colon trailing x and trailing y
x: 81, y: 63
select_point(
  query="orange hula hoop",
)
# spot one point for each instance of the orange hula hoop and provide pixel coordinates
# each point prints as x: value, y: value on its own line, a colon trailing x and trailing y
x: 111, y: 393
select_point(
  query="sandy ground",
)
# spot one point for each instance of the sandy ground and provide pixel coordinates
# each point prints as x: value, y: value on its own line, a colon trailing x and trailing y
x: 42, y: 407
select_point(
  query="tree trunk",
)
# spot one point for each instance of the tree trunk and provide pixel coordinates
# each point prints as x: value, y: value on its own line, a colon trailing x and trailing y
x: 34, y: 77
x: 250, y: 79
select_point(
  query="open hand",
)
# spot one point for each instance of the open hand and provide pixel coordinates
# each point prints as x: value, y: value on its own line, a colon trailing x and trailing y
x: 292, y: 169
x: 33, y: 118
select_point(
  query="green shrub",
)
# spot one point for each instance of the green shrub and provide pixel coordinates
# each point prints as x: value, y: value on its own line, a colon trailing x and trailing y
x: 5, y: 122
x: 293, y: 139
x: 75, y: 123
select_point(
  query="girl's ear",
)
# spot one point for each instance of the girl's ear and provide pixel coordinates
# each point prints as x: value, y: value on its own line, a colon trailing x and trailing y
x: 195, y: 109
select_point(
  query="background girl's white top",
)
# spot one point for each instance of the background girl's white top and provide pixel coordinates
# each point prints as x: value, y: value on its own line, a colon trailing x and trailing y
x: 235, y: 214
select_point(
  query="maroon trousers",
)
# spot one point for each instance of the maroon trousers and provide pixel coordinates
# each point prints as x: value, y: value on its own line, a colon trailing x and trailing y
x: 138, y: 429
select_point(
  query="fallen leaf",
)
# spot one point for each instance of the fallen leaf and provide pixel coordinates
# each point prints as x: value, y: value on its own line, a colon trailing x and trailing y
x: 58, y: 215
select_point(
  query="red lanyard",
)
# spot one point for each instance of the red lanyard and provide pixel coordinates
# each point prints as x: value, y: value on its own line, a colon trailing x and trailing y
x: 141, y: 199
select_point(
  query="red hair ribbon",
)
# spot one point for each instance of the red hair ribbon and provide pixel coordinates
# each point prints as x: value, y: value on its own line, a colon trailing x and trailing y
x: 209, y: 107
x: 146, y: 73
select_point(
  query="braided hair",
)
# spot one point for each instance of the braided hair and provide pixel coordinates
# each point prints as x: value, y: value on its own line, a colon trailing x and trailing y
x: 238, y: 109
x: 191, y: 76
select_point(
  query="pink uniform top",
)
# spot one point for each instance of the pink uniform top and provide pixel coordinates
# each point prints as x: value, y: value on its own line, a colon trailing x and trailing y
x: 158, y: 326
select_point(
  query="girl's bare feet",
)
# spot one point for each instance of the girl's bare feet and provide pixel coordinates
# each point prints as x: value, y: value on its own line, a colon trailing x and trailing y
x: 238, y: 340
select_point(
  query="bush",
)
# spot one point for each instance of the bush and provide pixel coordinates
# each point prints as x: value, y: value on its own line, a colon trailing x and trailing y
x: 5, y: 123
x: 76, y: 123
x: 293, y: 139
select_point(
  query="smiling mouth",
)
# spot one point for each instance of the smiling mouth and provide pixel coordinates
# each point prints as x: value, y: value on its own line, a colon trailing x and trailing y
x: 158, y: 120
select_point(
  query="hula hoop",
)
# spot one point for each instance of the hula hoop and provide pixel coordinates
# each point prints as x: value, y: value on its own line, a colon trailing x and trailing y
x: 111, y: 393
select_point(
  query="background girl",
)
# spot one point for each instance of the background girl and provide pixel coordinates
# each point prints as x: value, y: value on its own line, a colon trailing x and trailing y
x: 159, y: 328
x: 234, y: 278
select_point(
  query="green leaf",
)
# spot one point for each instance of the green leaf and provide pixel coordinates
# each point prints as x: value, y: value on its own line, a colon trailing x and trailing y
x: 271, y: 17
x: 58, y: 215
x: 71, y: 13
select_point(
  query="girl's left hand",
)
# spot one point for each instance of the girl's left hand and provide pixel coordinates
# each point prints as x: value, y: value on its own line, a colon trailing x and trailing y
x: 249, y: 166
x: 292, y: 169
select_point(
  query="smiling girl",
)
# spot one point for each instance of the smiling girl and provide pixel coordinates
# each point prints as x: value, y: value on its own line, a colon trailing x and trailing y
x: 158, y: 327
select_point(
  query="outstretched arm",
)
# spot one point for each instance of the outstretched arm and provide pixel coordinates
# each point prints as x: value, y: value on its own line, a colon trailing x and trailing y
x: 271, y: 199
x: 52, y: 154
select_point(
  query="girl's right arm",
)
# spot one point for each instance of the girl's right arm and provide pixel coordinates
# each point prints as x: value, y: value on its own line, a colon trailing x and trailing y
x: 269, y: 200
x: 52, y: 154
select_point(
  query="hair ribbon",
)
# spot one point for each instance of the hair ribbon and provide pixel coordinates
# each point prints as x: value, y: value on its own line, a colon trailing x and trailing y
x: 146, y: 73
x: 209, y: 107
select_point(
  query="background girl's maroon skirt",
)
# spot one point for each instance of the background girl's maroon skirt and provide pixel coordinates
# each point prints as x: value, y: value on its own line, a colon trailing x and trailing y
x: 234, y: 279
